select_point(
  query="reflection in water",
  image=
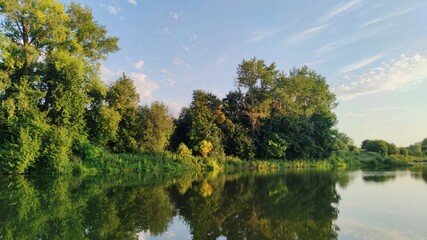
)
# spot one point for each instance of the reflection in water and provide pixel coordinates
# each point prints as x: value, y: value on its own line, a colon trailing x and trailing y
x: 284, y: 205
x: 276, y: 206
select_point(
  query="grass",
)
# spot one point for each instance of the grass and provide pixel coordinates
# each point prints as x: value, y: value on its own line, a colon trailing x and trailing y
x: 91, y: 159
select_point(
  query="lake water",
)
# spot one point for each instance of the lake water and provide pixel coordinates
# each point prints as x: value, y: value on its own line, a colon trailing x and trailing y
x: 304, y: 204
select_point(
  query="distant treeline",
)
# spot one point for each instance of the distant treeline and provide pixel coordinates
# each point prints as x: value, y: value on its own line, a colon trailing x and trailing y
x: 418, y: 149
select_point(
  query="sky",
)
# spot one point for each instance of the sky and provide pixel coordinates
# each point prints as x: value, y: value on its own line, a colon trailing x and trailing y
x: 373, y: 54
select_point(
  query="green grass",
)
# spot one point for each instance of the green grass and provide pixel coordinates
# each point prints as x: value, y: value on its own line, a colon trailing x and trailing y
x: 91, y: 159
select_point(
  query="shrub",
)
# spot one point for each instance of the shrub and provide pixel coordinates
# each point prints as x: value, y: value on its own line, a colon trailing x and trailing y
x: 183, y: 150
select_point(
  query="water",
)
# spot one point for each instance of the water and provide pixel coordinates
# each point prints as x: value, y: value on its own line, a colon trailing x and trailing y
x: 303, y: 204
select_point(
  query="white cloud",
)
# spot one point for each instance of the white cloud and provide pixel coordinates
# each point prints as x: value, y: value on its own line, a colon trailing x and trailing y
x: 220, y: 60
x: 109, y: 75
x: 164, y: 30
x: 140, y: 64
x: 388, y: 16
x: 187, y: 48
x: 112, y: 9
x: 357, y: 65
x: 170, y: 82
x: 133, y: 2
x: 259, y: 36
x: 341, y: 9
x: 307, y: 34
x: 144, y: 86
x: 168, y: 77
x: 180, y: 62
x: 339, y: 43
x: 392, y: 75
x: 174, y: 16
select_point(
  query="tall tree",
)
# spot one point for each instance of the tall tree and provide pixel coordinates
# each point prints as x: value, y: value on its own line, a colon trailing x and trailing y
x: 156, y: 127
x: 49, y: 59
x: 123, y: 98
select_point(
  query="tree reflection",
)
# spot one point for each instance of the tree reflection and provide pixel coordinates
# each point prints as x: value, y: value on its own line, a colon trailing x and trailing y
x: 251, y: 206
x: 276, y: 206
x: 64, y: 208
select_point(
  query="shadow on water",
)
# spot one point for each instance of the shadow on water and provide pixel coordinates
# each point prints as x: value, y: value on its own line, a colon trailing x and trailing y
x: 278, y: 205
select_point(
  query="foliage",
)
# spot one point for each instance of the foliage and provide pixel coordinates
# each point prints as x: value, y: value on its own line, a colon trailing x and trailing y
x: 183, y: 150
x: 205, y: 148
x: 156, y: 126
x: 49, y: 60
x: 123, y: 98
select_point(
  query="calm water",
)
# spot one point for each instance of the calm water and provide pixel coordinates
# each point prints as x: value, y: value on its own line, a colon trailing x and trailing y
x: 259, y: 205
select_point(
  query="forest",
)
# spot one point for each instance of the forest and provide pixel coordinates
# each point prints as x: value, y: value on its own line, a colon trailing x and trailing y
x: 56, y: 112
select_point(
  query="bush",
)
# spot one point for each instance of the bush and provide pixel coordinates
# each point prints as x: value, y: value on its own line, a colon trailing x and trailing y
x: 183, y: 150
x: 56, y: 147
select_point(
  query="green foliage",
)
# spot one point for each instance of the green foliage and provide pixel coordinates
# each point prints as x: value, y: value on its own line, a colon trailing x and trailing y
x: 276, y: 146
x: 415, y: 149
x: 123, y: 98
x: 205, y: 148
x: 55, y: 150
x: 19, y: 154
x: 48, y: 64
x: 183, y: 150
x: 378, y: 146
x: 403, y: 151
x: 156, y: 126
x: 204, y: 113
x: 424, y: 145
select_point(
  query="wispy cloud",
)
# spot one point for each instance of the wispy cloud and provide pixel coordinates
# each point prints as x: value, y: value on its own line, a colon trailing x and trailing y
x: 307, y: 34
x: 259, y: 36
x: 112, y: 9
x: 174, y: 16
x: 394, y: 74
x: 360, y: 64
x: 164, y: 30
x: 139, y: 64
x: 180, y: 62
x: 341, y: 9
x: 388, y: 16
x: 168, y: 77
x: 336, y: 44
x: 133, y: 2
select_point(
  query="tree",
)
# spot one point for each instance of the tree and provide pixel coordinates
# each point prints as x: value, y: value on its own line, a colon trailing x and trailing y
x: 255, y: 81
x: 49, y: 59
x: 378, y: 146
x: 157, y: 125
x: 415, y: 149
x: 424, y: 145
x: 123, y: 98
x: 392, y: 149
x: 206, y: 114
x: 403, y: 151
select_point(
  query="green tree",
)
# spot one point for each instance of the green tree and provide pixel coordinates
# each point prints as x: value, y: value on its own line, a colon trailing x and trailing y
x: 379, y: 146
x: 392, y: 149
x: 415, y: 149
x: 123, y: 98
x: 46, y: 67
x: 183, y: 150
x: 424, y: 145
x: 404, y: 151
x: 157, y: 125
x: 206, y: 114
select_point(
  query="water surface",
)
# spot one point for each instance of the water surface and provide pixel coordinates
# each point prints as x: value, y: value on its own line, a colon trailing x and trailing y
x: 304, y: 204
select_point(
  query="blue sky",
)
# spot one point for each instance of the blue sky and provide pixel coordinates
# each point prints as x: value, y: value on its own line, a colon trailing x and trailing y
x: 372, y: 53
